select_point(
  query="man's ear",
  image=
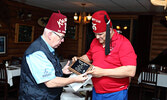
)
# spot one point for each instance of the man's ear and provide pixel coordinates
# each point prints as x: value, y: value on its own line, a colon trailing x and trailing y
x: 49, y: 35
x: 111, y: 29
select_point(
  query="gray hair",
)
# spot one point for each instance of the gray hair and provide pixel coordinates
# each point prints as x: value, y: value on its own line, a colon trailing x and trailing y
x: 47, y: 30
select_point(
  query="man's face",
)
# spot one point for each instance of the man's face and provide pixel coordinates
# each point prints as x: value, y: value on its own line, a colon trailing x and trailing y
x: 101, y: 37
x: 57, y: 38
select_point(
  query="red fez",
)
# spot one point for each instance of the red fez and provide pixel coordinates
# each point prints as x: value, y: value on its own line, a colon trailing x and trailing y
x: 98, y: 21
x: 57, y: 23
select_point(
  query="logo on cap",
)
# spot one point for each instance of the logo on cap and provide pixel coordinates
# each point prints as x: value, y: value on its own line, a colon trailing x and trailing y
x: 57, y: 23
x: 62, y: 23
x: 94, y: 24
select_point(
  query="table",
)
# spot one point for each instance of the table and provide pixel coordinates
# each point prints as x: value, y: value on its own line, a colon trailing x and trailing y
x: 73, y: 92
x: 70, y: 96
x: 69, y: 93
x: 12, y: 71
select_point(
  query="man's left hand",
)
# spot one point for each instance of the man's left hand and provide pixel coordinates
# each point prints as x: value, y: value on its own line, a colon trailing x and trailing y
x: 96, y: 72
x: 65, y: 69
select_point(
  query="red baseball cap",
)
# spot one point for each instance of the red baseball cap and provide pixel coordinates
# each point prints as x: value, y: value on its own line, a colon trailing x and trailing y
x: 57, y: 23
x: 98, y: 21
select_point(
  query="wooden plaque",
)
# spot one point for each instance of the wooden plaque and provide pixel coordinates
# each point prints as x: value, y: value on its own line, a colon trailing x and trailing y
x: 80, y: 66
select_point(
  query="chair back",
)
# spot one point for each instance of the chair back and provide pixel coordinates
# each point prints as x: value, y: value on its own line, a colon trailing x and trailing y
x: 16, y: 60
x: 148, y: 83
x: 3, y: 74
x: 150, y: 75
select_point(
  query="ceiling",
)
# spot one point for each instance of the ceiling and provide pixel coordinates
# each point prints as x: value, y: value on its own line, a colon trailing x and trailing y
x: 115, y: 6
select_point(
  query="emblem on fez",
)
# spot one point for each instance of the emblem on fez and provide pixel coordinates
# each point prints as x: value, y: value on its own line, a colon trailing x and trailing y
x: 61, y: 22
x: 94, y: 26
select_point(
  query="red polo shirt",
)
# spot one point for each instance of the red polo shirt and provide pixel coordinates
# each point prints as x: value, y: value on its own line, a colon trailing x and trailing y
x: 121, y: 54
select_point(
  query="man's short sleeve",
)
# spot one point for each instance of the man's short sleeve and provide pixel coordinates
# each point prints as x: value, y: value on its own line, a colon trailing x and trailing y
x: 41, y: 68
x: 89, y: 53
x: 127, y: 54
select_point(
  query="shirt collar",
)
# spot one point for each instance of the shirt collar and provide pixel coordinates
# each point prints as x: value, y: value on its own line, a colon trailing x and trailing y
x: 115, y: 35
x: 50, y: 48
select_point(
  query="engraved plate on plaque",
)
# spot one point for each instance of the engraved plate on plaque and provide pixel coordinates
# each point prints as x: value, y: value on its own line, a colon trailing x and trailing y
x: 80, y: 66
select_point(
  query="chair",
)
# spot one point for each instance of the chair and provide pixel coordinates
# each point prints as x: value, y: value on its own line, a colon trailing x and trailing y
x: 4, y: 86
x: 13, y: 61
x: 3, y: 80
x: 6, y: 60
x: 88, y: 95
x: 16, y: 60
x: 149, y: 82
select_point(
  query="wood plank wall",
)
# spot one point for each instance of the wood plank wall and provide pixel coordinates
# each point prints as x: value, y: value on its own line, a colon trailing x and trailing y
x: 9, y: 19
x: 12, y: 8
x: 159, y: 37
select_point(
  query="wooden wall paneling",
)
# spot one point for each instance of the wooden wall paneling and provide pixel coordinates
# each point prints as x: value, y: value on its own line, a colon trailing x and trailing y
x: 80, y: 36
x: 16, y: 51
x: 84, y: 40
x: 131, y: 29
x: 142, y: 41
x: 4, y: 30
x: 122, y: 16
x: 159, y: 37
x: 81, y: 39
x: 68, y: 48
x: 10, y: 19
x: 67, y: 54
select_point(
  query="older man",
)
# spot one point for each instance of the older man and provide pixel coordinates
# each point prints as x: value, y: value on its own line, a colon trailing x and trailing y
x: 41, y: 72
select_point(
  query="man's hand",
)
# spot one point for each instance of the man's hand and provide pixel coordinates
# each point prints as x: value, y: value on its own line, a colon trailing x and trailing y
x: 96, y: 72
x: 81, y: 78
x: 65, y: 69
x: 74, y: 59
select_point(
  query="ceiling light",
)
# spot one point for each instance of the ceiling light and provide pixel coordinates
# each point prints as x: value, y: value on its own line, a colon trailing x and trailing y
x: 125, y: 27
x: 75, y: 17
x: 118, y: 27
x: 159, y: 3
x: 89, y: 17
x: 82, y: 18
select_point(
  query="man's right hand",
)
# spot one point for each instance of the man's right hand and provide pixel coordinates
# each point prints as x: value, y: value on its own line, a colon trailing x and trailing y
x: 74, y: 59
x: 81, y: 78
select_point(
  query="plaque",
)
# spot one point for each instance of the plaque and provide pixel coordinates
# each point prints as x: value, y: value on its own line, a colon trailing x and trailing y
x: 80, y: 66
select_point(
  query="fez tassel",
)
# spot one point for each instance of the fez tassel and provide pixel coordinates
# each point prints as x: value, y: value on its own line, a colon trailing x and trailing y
x: 107, y: 41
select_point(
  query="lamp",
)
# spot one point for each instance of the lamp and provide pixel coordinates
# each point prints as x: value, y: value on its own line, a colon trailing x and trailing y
x: 121, y: 28
x: 82, y: 18
x: 75, y: 17
x: 89, y: 17
x: 159, y: 3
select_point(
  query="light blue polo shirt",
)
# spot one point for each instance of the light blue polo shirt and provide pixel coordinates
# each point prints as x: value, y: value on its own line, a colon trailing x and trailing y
x: 41, y: 68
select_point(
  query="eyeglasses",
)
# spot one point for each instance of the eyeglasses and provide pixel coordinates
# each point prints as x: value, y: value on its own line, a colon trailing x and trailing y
x: 99, y: 34
x: 61, y: 37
